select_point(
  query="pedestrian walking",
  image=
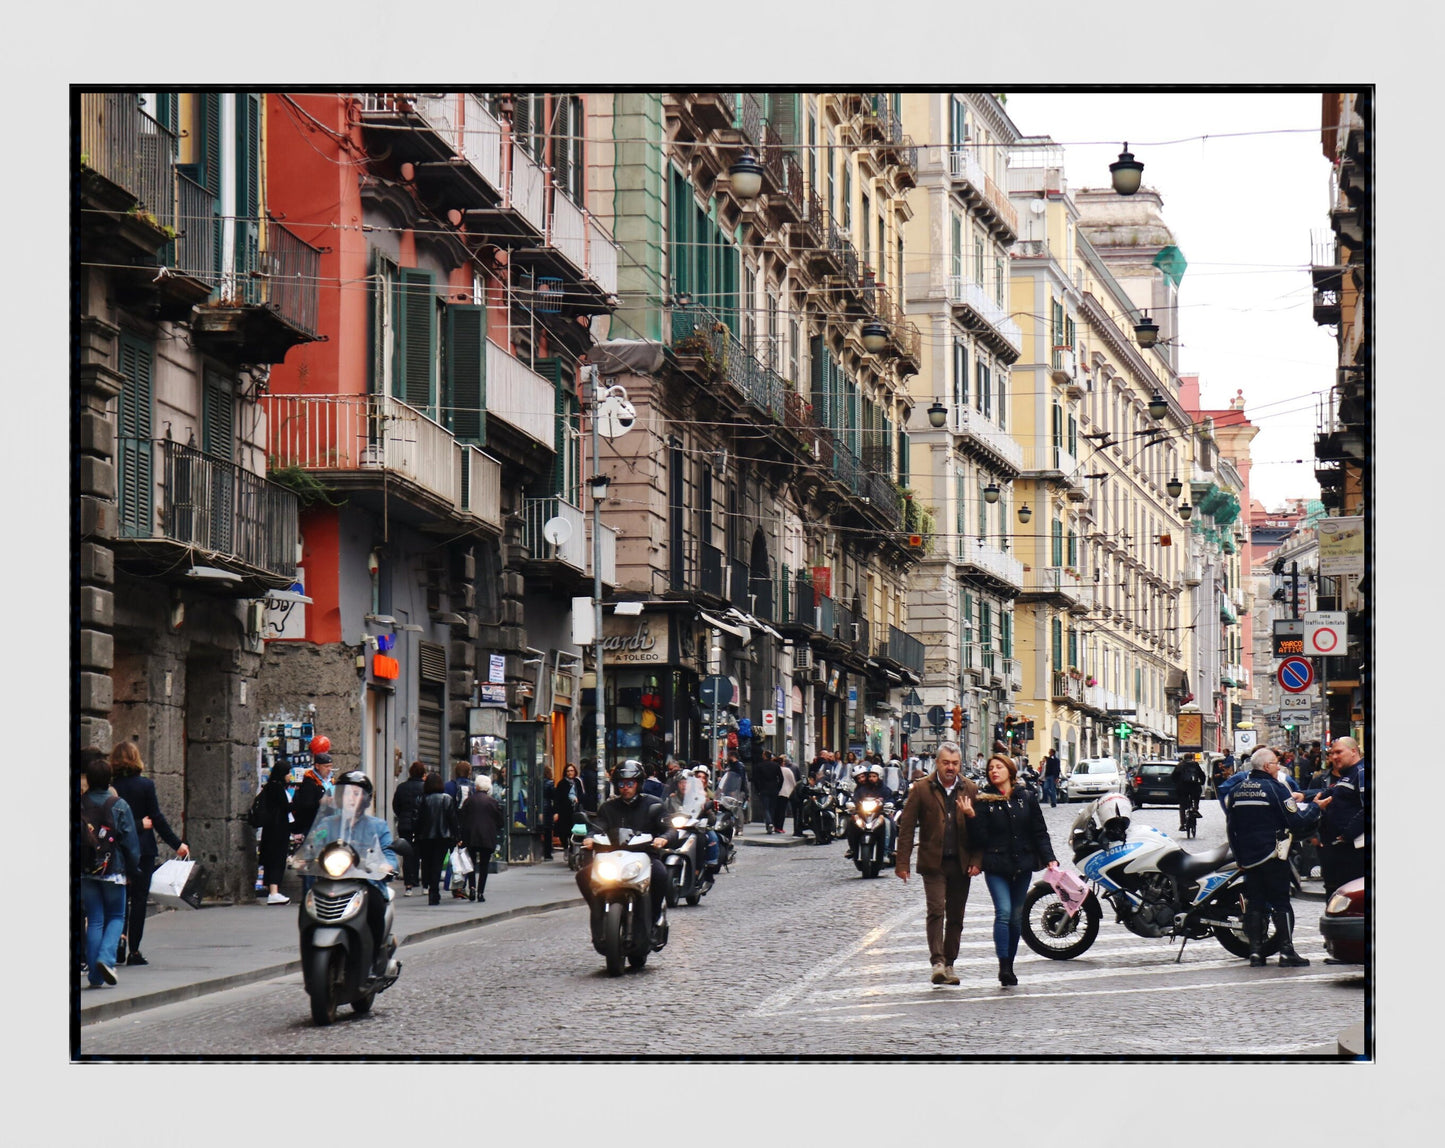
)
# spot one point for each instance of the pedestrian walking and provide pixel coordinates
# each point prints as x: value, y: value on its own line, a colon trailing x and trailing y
x: 785, y: 794
x: 139, y: 792
x: 768, y: 781
x: 436, y: 832
x: 1260, y: 814
x: 1007, y: 824
x: 102, y: 890
x: 459, y: 788
x: 1342, y: 827
x: 937, y: 810
x: 404, y: 803
x: 479, y: 822
x: 568, y: 798
x: 1053, y: 771
x: 315, y: 788
x: 275, y: 832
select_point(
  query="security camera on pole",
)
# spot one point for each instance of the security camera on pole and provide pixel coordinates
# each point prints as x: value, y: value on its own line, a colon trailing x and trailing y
x: 613, y: 416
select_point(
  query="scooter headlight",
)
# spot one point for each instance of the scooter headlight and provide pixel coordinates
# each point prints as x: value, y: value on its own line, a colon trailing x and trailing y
x: 868, y: 807
x: 679, y: 822
x: 337, y: 860
x: 611, y: 869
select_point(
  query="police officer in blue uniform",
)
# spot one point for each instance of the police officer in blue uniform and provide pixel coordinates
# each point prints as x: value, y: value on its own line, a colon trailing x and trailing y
x: 1344, y: 821
x: 1260, y: 812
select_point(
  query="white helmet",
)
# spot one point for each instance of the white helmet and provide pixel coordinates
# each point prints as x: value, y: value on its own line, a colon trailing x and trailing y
x: 1111, y: 814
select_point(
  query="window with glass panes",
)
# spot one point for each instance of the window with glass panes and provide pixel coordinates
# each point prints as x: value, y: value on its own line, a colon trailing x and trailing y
x: 960, y: 374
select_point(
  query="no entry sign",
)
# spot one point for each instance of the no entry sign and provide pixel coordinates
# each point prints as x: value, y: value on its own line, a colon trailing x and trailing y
x: 1296, y: 675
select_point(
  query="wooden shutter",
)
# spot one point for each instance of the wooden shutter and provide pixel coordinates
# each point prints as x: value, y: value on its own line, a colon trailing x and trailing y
x: 248, y: 189
x: 1058, y: 644
x: 466, y: 358
x: 168, y: 110
x: 218, y: 436
x: 960, y: 373
x: 1057, y: 540
x: 522, y: 119
x: 562, y: 144
x: 135, y: 482
x: 208, y: 150
x: 1003, y: 402
x: 783, y: 115
x: 416, y: 333
x: 383, y: 296
x: 905, y: 472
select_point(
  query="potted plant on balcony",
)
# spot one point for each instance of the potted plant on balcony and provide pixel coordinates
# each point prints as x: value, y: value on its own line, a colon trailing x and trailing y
x: 1091, y: 681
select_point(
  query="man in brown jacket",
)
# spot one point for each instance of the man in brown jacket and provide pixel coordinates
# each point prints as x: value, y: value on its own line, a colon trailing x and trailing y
x: 939, y: 807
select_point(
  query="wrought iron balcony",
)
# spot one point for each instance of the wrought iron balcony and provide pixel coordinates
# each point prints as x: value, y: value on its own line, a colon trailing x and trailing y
x: 133, y: 153
x: 269, y: 295
x: 985, y: 317
x: 1001, y: 446
x: 979, y: 558
x: 904, y: 649
x: 795, y: 608
x: 177, y: 502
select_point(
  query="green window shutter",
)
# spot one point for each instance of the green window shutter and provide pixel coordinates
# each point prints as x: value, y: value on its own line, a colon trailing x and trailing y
x: 218, y: 424
x: 576, y: 147
x: 1002, y: 402
x: 982, y: 511
x: 957, y: 264
x: 1006, y: 634
x: 1073, y: 439
x: 905, y: 469
x: 1058, y: 643
x: 416, y: 339
x: 1069, y: 333
x: 817, y: 373
x: 985, y: 625
x: 218, y: 436
x: 208, y: 171
x: 679, y: 213
x: 967, y: 611
x: 1056, y: 323
x: 960, y: 373
x: 783, y: 115
x: 168, y: 110
x: 562, y: 143
x: 985, y: 392
x: 466, y: 365
x: 523, y: 120
x: 960, y: 523
x: 134, y: 480
x: 1073, y: 646
x: 562, y: 408
x: 1073, y: 549
x: 383, y: 298
x: 248, y: 189
x: 982, y: 387
x: 1057, y: 529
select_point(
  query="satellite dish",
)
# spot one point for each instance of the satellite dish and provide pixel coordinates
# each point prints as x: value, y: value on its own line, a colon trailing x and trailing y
x: 557, y: 531
x: 1038, y: 206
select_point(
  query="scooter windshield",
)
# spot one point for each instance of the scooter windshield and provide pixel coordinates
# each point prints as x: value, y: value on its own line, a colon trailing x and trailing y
x: 730, y: 785
x: 344, y: 842
x: 688, y: 799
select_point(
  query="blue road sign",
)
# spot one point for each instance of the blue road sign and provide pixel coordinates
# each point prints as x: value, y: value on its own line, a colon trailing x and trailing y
x: 1296, y: 675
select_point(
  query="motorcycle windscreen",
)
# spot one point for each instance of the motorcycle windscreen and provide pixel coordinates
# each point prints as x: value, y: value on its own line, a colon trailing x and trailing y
x: 730, y: 784
x: 688, y: 799
x: 345, y: 825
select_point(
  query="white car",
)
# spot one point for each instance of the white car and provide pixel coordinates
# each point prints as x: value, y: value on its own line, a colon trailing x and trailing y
x: 1093, y: 777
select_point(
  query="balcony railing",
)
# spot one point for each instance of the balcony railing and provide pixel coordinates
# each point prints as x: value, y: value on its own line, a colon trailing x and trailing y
x: 1015, y: 674
x: 749, y: 118
x: 964, y: 166
x: 991, y: 560
x: 567, y: 230
x: 194, y: 251
x: 904, y: 649
x: 130, y: 149
x: 794, y: 602
x: 966, y: 420
x: 527, y: 189
x: 206, y: 503
x: 479, y: 484
x: 286, y: 278
x: 601, y: 256
x: 1066, y: 688
x: 1058, y: 580
x: 520, y: 396
x: 963, y: 292
x: 480, y: 140
x: 826, y: 622
x: 536, y: 513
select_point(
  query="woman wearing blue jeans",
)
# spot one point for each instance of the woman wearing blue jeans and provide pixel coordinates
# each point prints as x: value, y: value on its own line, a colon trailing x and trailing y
x: 1008, y: 825
x: 102, y: 895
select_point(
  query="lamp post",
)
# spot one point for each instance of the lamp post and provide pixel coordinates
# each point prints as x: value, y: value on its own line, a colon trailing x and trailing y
x: 598, y: 486
x: 746, y: 176
x: 1146, y: 331
x: 937, y: 415
x: 1126, y: 172
x: 1025, y: 513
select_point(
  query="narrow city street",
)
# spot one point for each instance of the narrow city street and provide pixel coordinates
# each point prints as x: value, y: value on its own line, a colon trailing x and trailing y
x: 792, y: 954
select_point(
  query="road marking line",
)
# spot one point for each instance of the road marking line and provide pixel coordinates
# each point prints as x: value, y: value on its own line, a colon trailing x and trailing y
x: 778, y: 1001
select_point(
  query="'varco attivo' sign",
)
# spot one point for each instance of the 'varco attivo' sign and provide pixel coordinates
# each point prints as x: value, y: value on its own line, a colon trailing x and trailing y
x: 632, y: 642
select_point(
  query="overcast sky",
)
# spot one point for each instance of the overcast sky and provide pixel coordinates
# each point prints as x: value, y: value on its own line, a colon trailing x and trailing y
x: 1242, y: 209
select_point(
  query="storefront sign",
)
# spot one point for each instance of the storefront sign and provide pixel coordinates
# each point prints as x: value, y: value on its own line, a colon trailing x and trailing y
x: 383, y: 666
x: 1342, y: 545
x: 496, y: 669
x: 631, y: 641
x: 491, y: 695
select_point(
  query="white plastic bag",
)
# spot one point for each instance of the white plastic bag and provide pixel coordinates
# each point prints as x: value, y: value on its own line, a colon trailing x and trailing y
x: 462, y: 862
x: 177, y: 883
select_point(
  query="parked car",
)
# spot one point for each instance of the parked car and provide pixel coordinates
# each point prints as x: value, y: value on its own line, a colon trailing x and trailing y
x: 1152, y: 781
x: 1093, y: 777
x: 1343, y: 925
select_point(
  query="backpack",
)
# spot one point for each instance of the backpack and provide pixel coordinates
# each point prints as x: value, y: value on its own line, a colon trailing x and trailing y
x: 257, y: 816
x: 98, y: 842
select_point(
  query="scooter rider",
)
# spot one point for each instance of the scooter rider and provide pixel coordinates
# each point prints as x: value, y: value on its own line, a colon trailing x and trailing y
x: 1260, y: 812
x: 685, y: 796
x: 1188, y: 785
x: 867, y: 784
x: 633, y: 810
x: 352, y: 792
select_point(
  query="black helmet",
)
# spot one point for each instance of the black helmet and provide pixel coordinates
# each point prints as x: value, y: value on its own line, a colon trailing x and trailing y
x: 629, y: 770
x: 357, y: 778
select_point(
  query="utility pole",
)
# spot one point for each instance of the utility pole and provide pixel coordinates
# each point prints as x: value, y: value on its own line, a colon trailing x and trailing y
x: 598, y: 484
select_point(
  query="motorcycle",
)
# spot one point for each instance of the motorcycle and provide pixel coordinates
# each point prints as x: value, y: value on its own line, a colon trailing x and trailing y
x: 1155, y: 887
x: 340, y: 962
x: 823, y: 815
x: 572, y: 850
x: 684, y: 856
x: 873, y: 817
x: 621, y: 877
x: 729, y: 813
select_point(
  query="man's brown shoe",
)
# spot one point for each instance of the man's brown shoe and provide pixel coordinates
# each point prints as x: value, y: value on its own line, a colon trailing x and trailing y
x: 949, y: 976
x: 939, y: 976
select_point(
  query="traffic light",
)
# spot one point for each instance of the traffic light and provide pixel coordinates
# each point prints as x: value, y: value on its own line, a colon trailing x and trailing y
x: 1008, y: 728
x: 957, y: 719
x: 1025, y: 730
x: 1289, y: 725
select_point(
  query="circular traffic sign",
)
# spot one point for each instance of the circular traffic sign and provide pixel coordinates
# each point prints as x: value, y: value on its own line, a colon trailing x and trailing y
x: 1323, y: 641
x: 936, y: 716
x: 715, y: 690
x: 910, y: 723
x: 1296, y: 675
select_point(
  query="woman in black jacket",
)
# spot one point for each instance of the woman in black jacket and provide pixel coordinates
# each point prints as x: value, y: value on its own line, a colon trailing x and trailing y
x: 568, y: 796
x: 404, y: 801
x: 480, y: 820
x: 275, y: 832
x: 1008, y: 825
x: 436, y: 832
x: 139, y: 793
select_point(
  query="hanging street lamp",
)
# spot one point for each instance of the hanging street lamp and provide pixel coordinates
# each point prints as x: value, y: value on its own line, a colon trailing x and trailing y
x: 1126, y: 172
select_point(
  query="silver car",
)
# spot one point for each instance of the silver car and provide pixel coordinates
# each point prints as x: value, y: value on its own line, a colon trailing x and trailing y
x: 1093, y: 777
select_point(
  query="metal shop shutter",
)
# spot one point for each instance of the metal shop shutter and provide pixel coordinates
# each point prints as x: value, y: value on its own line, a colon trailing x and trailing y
x: 431, y: 705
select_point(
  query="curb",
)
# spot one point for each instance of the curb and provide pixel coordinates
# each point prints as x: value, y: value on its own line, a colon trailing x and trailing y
x: 1351, y: 1042
x: 112, y: 1009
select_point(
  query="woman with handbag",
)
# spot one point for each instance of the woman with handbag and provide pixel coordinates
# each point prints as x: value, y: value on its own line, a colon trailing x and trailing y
x: 436, y: 832
x: 1007, y: 824
x: 567, y: 798
x: 139, y: 793
x: 480, y: 821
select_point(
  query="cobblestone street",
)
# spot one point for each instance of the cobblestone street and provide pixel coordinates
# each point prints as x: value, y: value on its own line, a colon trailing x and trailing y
x: 792, y: 954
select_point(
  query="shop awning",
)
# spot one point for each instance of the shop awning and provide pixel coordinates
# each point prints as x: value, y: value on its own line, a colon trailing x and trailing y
x: 748, y: 620
x: 725, y: 627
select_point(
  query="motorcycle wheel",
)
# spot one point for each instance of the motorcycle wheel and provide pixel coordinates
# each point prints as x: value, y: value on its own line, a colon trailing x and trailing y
x: 872, y: 868
x: 693, y: 898
x: 612, y: 946
x: 1042, y: 909
x: 325, y: 972
x: 574, y: 859
x: 1234, y: 940
x: 672, y: 896
x: 362, y: 1005
x: 637, y: 960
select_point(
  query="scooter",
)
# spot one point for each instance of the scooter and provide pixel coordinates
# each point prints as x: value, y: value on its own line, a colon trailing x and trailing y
x: 824, y: 818
x: 621, y: 875
x: 873, y: 817
x: 340, y: 962
x: 572, y: 849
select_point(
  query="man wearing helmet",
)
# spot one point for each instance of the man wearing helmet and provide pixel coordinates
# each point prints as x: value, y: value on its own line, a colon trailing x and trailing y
x: 867, y: 784
x: 633, y: 810
x: 347, y: 819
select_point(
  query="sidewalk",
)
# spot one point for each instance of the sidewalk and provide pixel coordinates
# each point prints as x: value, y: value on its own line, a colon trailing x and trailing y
x: 193, y: 952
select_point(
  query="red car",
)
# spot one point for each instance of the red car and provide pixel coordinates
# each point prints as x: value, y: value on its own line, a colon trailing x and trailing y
x: 1343, y: 925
